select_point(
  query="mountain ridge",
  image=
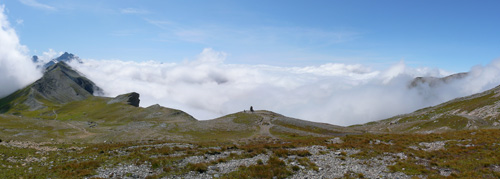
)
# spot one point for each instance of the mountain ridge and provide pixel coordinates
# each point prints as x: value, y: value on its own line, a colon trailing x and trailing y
x: 477, y: 111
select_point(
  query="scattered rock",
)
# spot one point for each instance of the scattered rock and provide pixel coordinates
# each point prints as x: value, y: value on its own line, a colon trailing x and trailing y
x: 32, y: 145
x: 332, y: 165
x: 126, y: 171
x: 432, y: 146
x: 91, y: 124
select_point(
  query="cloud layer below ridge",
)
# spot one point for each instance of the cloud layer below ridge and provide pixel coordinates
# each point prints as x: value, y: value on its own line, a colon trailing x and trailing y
x: 341, y: 94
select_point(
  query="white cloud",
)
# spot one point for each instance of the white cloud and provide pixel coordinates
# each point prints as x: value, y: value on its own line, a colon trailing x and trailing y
x: 341, y: 94
x: 36, y: 4
x: 19, y: 22
x: 48, y: 56
x: 134, y: 11
x: 16, y: 68
x: 256, y: 36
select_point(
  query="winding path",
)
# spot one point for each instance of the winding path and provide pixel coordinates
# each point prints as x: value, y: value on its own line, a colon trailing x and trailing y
x: 265, y: 125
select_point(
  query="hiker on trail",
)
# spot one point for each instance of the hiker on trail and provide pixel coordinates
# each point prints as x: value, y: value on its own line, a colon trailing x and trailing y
x: 251, y: 108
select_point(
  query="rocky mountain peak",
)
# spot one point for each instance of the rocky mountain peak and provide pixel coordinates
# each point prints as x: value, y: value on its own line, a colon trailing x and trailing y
x: 65, y: 57
x: 63, y: 84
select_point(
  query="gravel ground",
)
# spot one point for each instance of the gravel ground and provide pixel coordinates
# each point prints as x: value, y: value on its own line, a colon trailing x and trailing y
x: 330, y: 164
x: 126, y: 171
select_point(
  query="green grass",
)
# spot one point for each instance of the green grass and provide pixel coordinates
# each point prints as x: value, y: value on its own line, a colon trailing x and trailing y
x: 6, y: 102
x: 218, y: 136
x: 452, y: 121
x: 275, y: 168
x: 306, y: 128
x: 471, y: 104
x: 245, y: 118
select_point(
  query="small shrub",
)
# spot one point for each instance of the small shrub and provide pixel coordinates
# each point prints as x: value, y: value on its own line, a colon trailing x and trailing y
x: 281, y: 152
x: 77, y: 169
x: 190, y: 152
x: 199, y: 167
x: 307, y: 163
x: 167, y: 169
x: 275, y: 168
x: 302, y: 153
x: 213, y: 152
x: 259, y: 162
x: 221, y: 160
x: 233, y: 155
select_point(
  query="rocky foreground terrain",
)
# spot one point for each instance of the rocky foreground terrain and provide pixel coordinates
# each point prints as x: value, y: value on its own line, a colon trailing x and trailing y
x: 469, y: 154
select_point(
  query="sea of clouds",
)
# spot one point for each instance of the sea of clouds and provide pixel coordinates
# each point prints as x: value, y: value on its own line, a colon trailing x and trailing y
x: 340, y: 94
x: 207, y: 87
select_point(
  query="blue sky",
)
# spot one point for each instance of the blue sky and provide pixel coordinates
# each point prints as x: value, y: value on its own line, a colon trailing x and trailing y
x: 451, y: 35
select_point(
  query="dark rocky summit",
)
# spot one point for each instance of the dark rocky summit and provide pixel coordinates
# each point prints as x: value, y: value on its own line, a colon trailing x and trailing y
x: 129, y: 98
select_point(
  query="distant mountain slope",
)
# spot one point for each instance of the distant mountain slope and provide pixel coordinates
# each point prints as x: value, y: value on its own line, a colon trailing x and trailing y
x: 433, y: 81
x: 59, y: 84
x: 472, y: 112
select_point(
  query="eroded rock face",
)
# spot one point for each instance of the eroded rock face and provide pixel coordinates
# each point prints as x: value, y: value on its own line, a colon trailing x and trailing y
x: 129, y: 98
x: 62, y: 84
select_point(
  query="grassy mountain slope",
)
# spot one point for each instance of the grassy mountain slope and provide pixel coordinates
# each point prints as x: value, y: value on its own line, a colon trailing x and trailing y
x: 472, y: 112
x: 93, y: 120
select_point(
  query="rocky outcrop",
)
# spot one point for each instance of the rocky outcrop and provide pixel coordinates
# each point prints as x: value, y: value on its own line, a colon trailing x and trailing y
x: 129, y: 98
